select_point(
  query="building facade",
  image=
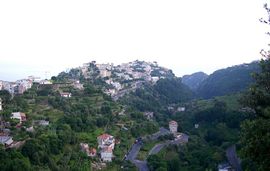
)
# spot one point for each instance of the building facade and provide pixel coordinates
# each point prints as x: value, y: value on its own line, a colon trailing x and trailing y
x: 1, y: 108
x: 173, y: 126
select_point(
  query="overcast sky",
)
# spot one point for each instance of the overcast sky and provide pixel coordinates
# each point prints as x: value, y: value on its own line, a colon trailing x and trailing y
x: 185, y: 36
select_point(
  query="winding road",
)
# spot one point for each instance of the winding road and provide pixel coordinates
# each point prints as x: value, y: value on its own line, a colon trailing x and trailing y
x: 233, y: 159
x: 142, y: 165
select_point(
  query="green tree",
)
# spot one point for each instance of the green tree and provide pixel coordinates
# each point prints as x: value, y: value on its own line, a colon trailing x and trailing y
x: 255, y: 133
x: 5, y: 96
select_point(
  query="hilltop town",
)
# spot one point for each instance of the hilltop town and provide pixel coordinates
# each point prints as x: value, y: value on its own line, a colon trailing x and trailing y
x: 120, y: 79
x: 126, y: 77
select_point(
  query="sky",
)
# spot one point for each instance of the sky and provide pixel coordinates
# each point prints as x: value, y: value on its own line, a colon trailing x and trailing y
x: 43, y: 38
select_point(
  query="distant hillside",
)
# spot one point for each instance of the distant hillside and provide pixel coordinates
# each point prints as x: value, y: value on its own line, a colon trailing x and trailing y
x: 153, y: 97
x: 193, y: 81
x: 228, y: 81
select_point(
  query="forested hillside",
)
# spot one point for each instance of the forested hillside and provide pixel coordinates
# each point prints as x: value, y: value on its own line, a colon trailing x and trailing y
x: 193, y: 81
x: 227, y: 81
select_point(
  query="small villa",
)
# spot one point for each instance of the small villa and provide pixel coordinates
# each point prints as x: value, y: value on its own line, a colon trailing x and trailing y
x: 106, y: 145
x: 19, y: 115
x: 173, y: 125
x: 65, y: 94
x: 6, y: 140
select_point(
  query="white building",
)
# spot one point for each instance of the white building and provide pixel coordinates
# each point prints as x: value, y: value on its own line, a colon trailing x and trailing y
x: 10, y: 87
x: 66, y: 95
x: 34, y: 79
x: 111, y: 92
x: 117, y: 85
x: 1, y: 108
x: 18, y: 115
x: 225, y: 167
x: 106, y: 154
x: 6, y: 140
x: 149, y: 115
x: 105, y: 73
x: 106, y: 143
x: 173, y: 126
x: 45, y: 82
x: 44, y: 123
x: 181, y: 109
x: 155, y: 79
x: 106, y: 140
x: 23, y: 85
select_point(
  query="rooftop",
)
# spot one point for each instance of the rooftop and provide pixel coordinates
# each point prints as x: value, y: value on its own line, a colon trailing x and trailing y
x: 104, y: 136
x: 173, y: 123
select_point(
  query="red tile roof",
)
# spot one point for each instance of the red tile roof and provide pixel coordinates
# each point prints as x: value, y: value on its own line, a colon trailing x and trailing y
x: 173, y: 123
x: 104, y: 136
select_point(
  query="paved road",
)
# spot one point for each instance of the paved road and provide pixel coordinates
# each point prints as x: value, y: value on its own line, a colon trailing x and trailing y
x: 142, y: 165
x: 162, y: 131
x: 233, y: 159
x: 132, y: 155
x: 157, y: 148
x: 134, y: 152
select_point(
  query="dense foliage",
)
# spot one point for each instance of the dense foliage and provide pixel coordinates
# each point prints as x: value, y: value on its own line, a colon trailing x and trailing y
x: 218, y: 128
x: 163, y: 93
x: 255, y: 137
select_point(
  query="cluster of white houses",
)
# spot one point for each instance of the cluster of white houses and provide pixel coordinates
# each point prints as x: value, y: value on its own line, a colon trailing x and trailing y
x: 5, y: 138
x: 20, y: 86
x: 134, y: 72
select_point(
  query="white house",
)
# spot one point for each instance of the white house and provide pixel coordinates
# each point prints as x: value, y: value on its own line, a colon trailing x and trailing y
x: 225, y: 167
x: 105, y: 73
x: 106, y: 154
x: 44, y: 123
x: 117, y: 85
x: 149, y: 115
x: 181, y: 109
x: 45, y: 82
x: 155, y: 79
x: 6, y: 140
x: 66, y: 95
x: 173, y: 126
x: 18, y: 115
x: 106, y: 140
x: 1, y: 104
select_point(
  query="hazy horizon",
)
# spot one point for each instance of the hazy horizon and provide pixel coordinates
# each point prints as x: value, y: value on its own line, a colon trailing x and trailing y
x: 185, y: 36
